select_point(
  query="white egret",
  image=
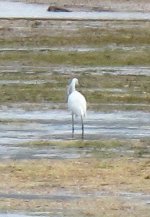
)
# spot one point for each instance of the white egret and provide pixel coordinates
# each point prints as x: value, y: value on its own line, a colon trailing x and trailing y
x: 76, y: 104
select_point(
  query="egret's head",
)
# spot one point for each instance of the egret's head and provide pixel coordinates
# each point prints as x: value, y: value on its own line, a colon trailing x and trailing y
x: 75, y: 81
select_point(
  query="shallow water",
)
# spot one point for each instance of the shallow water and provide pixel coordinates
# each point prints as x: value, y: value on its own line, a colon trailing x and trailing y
x: 62, y: 195
x: 22, y: 10
x: 19, y: 125
x: 49, y: 152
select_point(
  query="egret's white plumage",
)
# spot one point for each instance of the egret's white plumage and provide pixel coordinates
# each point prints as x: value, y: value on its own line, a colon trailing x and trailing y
x: 76, y: 104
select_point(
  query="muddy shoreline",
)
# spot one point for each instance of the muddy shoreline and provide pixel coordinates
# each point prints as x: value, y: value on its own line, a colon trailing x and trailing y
x: 43, y: 171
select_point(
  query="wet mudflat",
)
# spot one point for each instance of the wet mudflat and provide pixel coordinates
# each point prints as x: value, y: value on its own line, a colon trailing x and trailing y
x: 44, y: 172
x: 20, y: 127
x: 37, y: 138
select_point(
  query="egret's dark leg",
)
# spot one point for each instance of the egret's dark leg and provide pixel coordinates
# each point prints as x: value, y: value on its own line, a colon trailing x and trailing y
x: 82, y: 127
x: 72, y: 125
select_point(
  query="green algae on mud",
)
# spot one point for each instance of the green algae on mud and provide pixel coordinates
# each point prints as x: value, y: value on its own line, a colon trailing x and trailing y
x: 138, y: 148
x: 59, y: 33
x: 119, y: 42
x: 116, y: 57
x: 133, y: 89
x: 112, y: 143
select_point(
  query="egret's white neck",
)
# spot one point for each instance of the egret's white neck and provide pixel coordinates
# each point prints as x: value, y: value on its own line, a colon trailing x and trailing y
x: 72, y: 87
